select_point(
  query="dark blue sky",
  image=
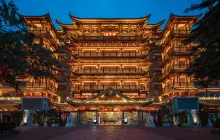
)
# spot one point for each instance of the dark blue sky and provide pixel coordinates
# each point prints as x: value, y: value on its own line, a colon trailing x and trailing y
x: 159, y: 9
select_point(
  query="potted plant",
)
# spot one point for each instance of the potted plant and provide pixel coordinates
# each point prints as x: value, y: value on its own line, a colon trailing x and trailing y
x: 167, y: 120
x: 216, y: 125
x: 7, y: 126
x: 180, y: 117
x: 40, y: 117
x: 203, y: 118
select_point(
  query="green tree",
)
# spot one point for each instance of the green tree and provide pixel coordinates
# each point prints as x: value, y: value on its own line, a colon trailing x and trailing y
x: 206, y: 32
x: 19, y: 57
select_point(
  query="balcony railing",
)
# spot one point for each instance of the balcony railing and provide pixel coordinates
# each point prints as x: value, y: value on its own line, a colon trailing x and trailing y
x: 111, y: 45
x: 30, y: 85
x: 104, y: 77
x: 112, y: 71
x: 180, y: 50
x: 110, y: 54
x: 175, y: 67
x: 183, y: 85
x: 176, y: 85
x: 103, y: 87
x: 6, y: 85
x: 44, y: 33
x: 14, y: 99
x: 43, y: 85
x: 121, y: 62
x: 136, y: 38
x: 175, y: 32
x: 181, y: 32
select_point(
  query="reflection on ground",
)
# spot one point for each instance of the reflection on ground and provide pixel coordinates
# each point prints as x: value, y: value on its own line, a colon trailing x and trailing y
x: 128, y: 132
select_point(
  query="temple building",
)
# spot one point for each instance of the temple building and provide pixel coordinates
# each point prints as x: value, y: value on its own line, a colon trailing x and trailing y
x: 113, y: 67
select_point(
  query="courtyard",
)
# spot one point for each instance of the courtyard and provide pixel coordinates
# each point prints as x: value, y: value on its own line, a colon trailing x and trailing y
x: 130, y: 132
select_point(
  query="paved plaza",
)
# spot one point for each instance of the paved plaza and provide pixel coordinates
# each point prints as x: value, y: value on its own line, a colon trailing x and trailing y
x: 114, y: 133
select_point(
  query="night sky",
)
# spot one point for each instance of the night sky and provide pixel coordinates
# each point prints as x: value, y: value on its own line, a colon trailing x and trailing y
x: 159, y: 9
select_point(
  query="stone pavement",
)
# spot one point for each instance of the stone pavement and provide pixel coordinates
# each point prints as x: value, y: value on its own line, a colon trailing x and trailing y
x: 40, y: 133
x: 130, y: 132
x: 185, y: 133
x: 111, y: 133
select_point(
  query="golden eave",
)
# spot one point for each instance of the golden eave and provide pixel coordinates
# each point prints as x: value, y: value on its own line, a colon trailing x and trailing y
x: 174, y: 17
x: 46, y: 17
x: 155, y: 26
x: 110, y: 20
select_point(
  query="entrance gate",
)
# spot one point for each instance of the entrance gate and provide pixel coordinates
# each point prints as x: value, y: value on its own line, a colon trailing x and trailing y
x: 110, y: 118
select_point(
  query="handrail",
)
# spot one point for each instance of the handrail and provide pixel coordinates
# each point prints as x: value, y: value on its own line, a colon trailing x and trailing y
x: 177, y: 67
x: 180, y: 31
x: 44, y: 32
x: 178, y: 85
x: 112, y: 70
x: 113, y: 54
x: 109, y: 38
x: 177, y: 49
x: 103, y: 87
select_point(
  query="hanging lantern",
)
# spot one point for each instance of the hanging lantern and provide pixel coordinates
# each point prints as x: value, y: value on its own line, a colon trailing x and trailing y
x: 30, y: 68
x: 1, y: 70
x: 23, y: 77
x: 16, y: 90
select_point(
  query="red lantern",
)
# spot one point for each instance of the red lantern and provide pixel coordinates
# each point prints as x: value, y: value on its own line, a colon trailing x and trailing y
x: 22, y: 77
x: 3, y: 70
x: 16, y: 90
x: 214, y: 83
x: 30, y: 68
x: 25, y: 46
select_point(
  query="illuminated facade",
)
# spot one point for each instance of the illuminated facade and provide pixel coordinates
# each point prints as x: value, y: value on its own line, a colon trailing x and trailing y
x: 176, y: 58
x: 112, y: 67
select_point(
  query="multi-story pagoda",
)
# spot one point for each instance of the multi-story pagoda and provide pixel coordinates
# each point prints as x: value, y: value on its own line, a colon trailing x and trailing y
x: 112, y: 67
x: 176, y: 57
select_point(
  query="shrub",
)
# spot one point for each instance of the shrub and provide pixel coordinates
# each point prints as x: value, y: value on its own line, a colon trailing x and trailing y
x: 7, y: 126
x: 62, y: 123
x: 203, y: 117
x: 17, y: 117
x: 181, y: 117
x: 216, y: 124
x: 40, y: 117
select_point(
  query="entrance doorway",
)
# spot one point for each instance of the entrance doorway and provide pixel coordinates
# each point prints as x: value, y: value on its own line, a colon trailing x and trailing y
x: 110, y: 118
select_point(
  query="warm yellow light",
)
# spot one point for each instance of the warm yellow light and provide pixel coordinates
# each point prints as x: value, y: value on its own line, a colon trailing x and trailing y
x: 110, y: 81
x: 10, y: 98
x: 88, y: 66
x: 109, y: 65
x: 89, y: 49
x: 89, y: 81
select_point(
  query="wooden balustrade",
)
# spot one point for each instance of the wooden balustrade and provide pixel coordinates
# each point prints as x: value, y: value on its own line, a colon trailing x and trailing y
x: 111, y: 70
x: 170, y: 86
x: 176, y: 67
x: 109, y: 54
x: 103, y: 87
x: 180, y: 31
x: 177, y: 49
